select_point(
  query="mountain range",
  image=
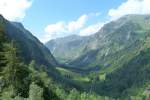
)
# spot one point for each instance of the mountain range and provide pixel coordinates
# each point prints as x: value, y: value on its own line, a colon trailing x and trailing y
x: 116, y: 40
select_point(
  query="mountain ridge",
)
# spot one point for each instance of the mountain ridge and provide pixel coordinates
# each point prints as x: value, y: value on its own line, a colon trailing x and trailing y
x: 111, y: 38
x: 16, y: 31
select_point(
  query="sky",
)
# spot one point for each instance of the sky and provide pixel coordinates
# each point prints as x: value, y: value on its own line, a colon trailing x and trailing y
x: 50, y: 19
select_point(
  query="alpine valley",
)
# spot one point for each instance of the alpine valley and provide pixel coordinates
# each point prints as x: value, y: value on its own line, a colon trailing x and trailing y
x: 112, y: 64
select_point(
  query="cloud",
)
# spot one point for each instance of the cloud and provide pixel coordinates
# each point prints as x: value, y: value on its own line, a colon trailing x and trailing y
x: 14, y: 9
x: 130, y: 7
x: 91, y: 29
x: 58, y: 27
x: 54, y: 31
x: 61, y: 29
x: 78, y: 26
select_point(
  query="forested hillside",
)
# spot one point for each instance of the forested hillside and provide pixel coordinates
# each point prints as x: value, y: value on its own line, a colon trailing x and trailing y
x: 30, y: 47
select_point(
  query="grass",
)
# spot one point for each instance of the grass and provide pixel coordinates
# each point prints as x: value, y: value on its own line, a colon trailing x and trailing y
x: 73, y: 75
x: 102, y: 77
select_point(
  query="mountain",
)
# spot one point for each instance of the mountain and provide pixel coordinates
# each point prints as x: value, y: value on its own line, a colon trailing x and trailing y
x: 30, y: 47
x: 68, y: 48
x: 120, y: 40
x: 117, y: 39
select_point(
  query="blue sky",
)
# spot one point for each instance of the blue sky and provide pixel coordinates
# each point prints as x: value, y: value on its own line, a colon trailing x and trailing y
x: 45, y: 12
x: 50, y: 19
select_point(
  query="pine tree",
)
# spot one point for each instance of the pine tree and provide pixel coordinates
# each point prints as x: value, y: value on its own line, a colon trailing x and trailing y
x: 2, y: 41
x: 15, y: 72
x: 36, y: 92
x: 2, y: 58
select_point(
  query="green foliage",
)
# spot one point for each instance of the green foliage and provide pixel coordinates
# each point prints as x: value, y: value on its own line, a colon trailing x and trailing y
x: 35, y: 93
x: 2, y: 41
x: 133, y: 75
x: 15, y: 73
x: 20, y: 82
x: 73, y: 95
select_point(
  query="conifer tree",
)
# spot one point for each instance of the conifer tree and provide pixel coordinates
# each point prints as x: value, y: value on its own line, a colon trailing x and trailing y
x: 15, y: 71
x: 35, y: 93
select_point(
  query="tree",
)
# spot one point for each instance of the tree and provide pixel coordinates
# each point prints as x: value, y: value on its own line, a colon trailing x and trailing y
x: 83, y: 96
x: 74, y: 95
x: 36, y: 92
x: 32, y: 65
x: 60, y: 93
x: 2, y: 42
x: 15, y: 72
x: 2, y: 58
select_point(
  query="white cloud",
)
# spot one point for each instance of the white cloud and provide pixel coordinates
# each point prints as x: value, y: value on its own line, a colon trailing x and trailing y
x: 130, y: 7
x: 91, y: 29
x: 58, y: 27
x: 53, y: 31
x: 14, y: 9
x: 62, y: 28
x: 75, y: 25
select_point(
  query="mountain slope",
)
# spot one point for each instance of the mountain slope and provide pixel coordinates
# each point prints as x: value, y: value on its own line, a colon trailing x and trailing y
x: 68, y: 48
x: 133, y: 78
x: 125, y: 34
x: 30, y: 47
